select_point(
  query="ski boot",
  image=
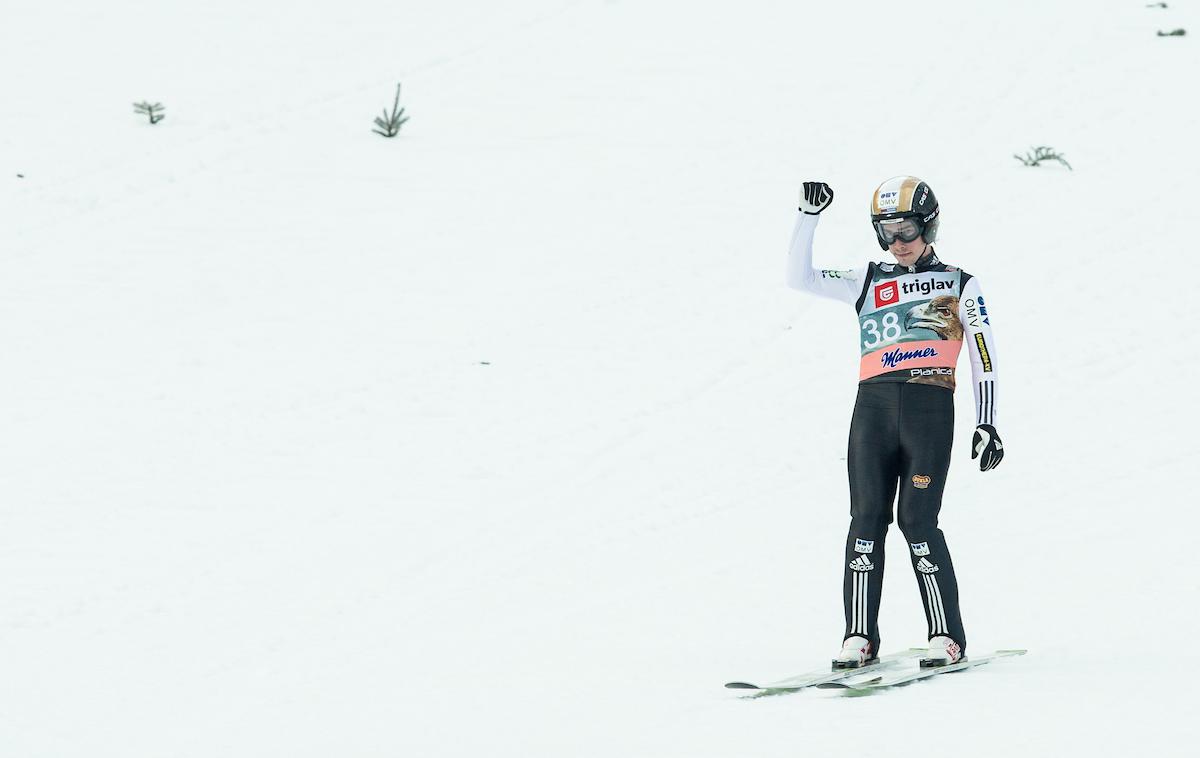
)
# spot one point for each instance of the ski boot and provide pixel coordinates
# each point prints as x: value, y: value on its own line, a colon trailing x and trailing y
x: 943, y: 651
x: 856, y: 653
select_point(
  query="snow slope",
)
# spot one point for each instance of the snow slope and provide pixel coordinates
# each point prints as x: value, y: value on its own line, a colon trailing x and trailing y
x: 505, y: 437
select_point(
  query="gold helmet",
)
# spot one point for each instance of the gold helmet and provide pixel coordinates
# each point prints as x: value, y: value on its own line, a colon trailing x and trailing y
x: 904, y: 207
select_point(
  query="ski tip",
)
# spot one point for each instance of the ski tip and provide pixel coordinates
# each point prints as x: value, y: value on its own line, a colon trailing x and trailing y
x: 1017, y: 651
x: 742, y: 686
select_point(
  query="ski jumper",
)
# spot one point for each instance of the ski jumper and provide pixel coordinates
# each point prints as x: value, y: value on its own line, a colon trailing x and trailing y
x: 913, y: 322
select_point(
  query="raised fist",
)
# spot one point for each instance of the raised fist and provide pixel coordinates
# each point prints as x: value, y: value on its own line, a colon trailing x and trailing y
x: 815, y: 197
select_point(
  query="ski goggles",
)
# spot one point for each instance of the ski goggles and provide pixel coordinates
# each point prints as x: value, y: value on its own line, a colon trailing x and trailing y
x: 903, y: 229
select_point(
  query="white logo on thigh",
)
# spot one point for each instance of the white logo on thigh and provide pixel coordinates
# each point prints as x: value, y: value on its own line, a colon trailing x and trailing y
x: 925, y: 567
x: 920, y: 548
x: 862, y: 563
x: 864, y: 546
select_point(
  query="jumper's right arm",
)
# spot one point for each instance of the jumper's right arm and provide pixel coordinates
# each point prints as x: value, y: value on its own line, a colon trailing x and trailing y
x: 839, y: 285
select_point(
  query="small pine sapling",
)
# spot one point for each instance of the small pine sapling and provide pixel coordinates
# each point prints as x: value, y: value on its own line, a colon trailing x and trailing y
x: 153, y: 110
x: 389, y: 125
x: 1040, y: 154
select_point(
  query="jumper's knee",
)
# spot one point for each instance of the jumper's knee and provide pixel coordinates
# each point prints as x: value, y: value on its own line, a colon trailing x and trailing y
x: 918, y: 529
x: 870, y: 525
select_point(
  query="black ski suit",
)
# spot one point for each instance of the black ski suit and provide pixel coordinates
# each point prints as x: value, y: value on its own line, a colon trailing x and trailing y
x: 913, y: 322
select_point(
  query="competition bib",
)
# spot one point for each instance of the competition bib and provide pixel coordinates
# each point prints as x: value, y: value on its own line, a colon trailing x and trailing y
x: 909, y: 329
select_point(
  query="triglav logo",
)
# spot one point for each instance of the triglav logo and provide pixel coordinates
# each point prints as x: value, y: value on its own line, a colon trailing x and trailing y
x: 886, y: 294
x: 920, y: 481
x: 926, y: 286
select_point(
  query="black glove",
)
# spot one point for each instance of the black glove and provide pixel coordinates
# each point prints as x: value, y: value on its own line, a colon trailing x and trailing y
x: 986, y: 446
x: 815, y: 197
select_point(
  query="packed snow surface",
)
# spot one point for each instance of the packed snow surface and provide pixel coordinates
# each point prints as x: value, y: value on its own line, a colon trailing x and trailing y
x: 504, y: 437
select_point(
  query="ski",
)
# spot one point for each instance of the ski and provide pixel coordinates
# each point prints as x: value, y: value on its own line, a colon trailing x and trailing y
x: 912, y: 676
x: 826, y: 676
